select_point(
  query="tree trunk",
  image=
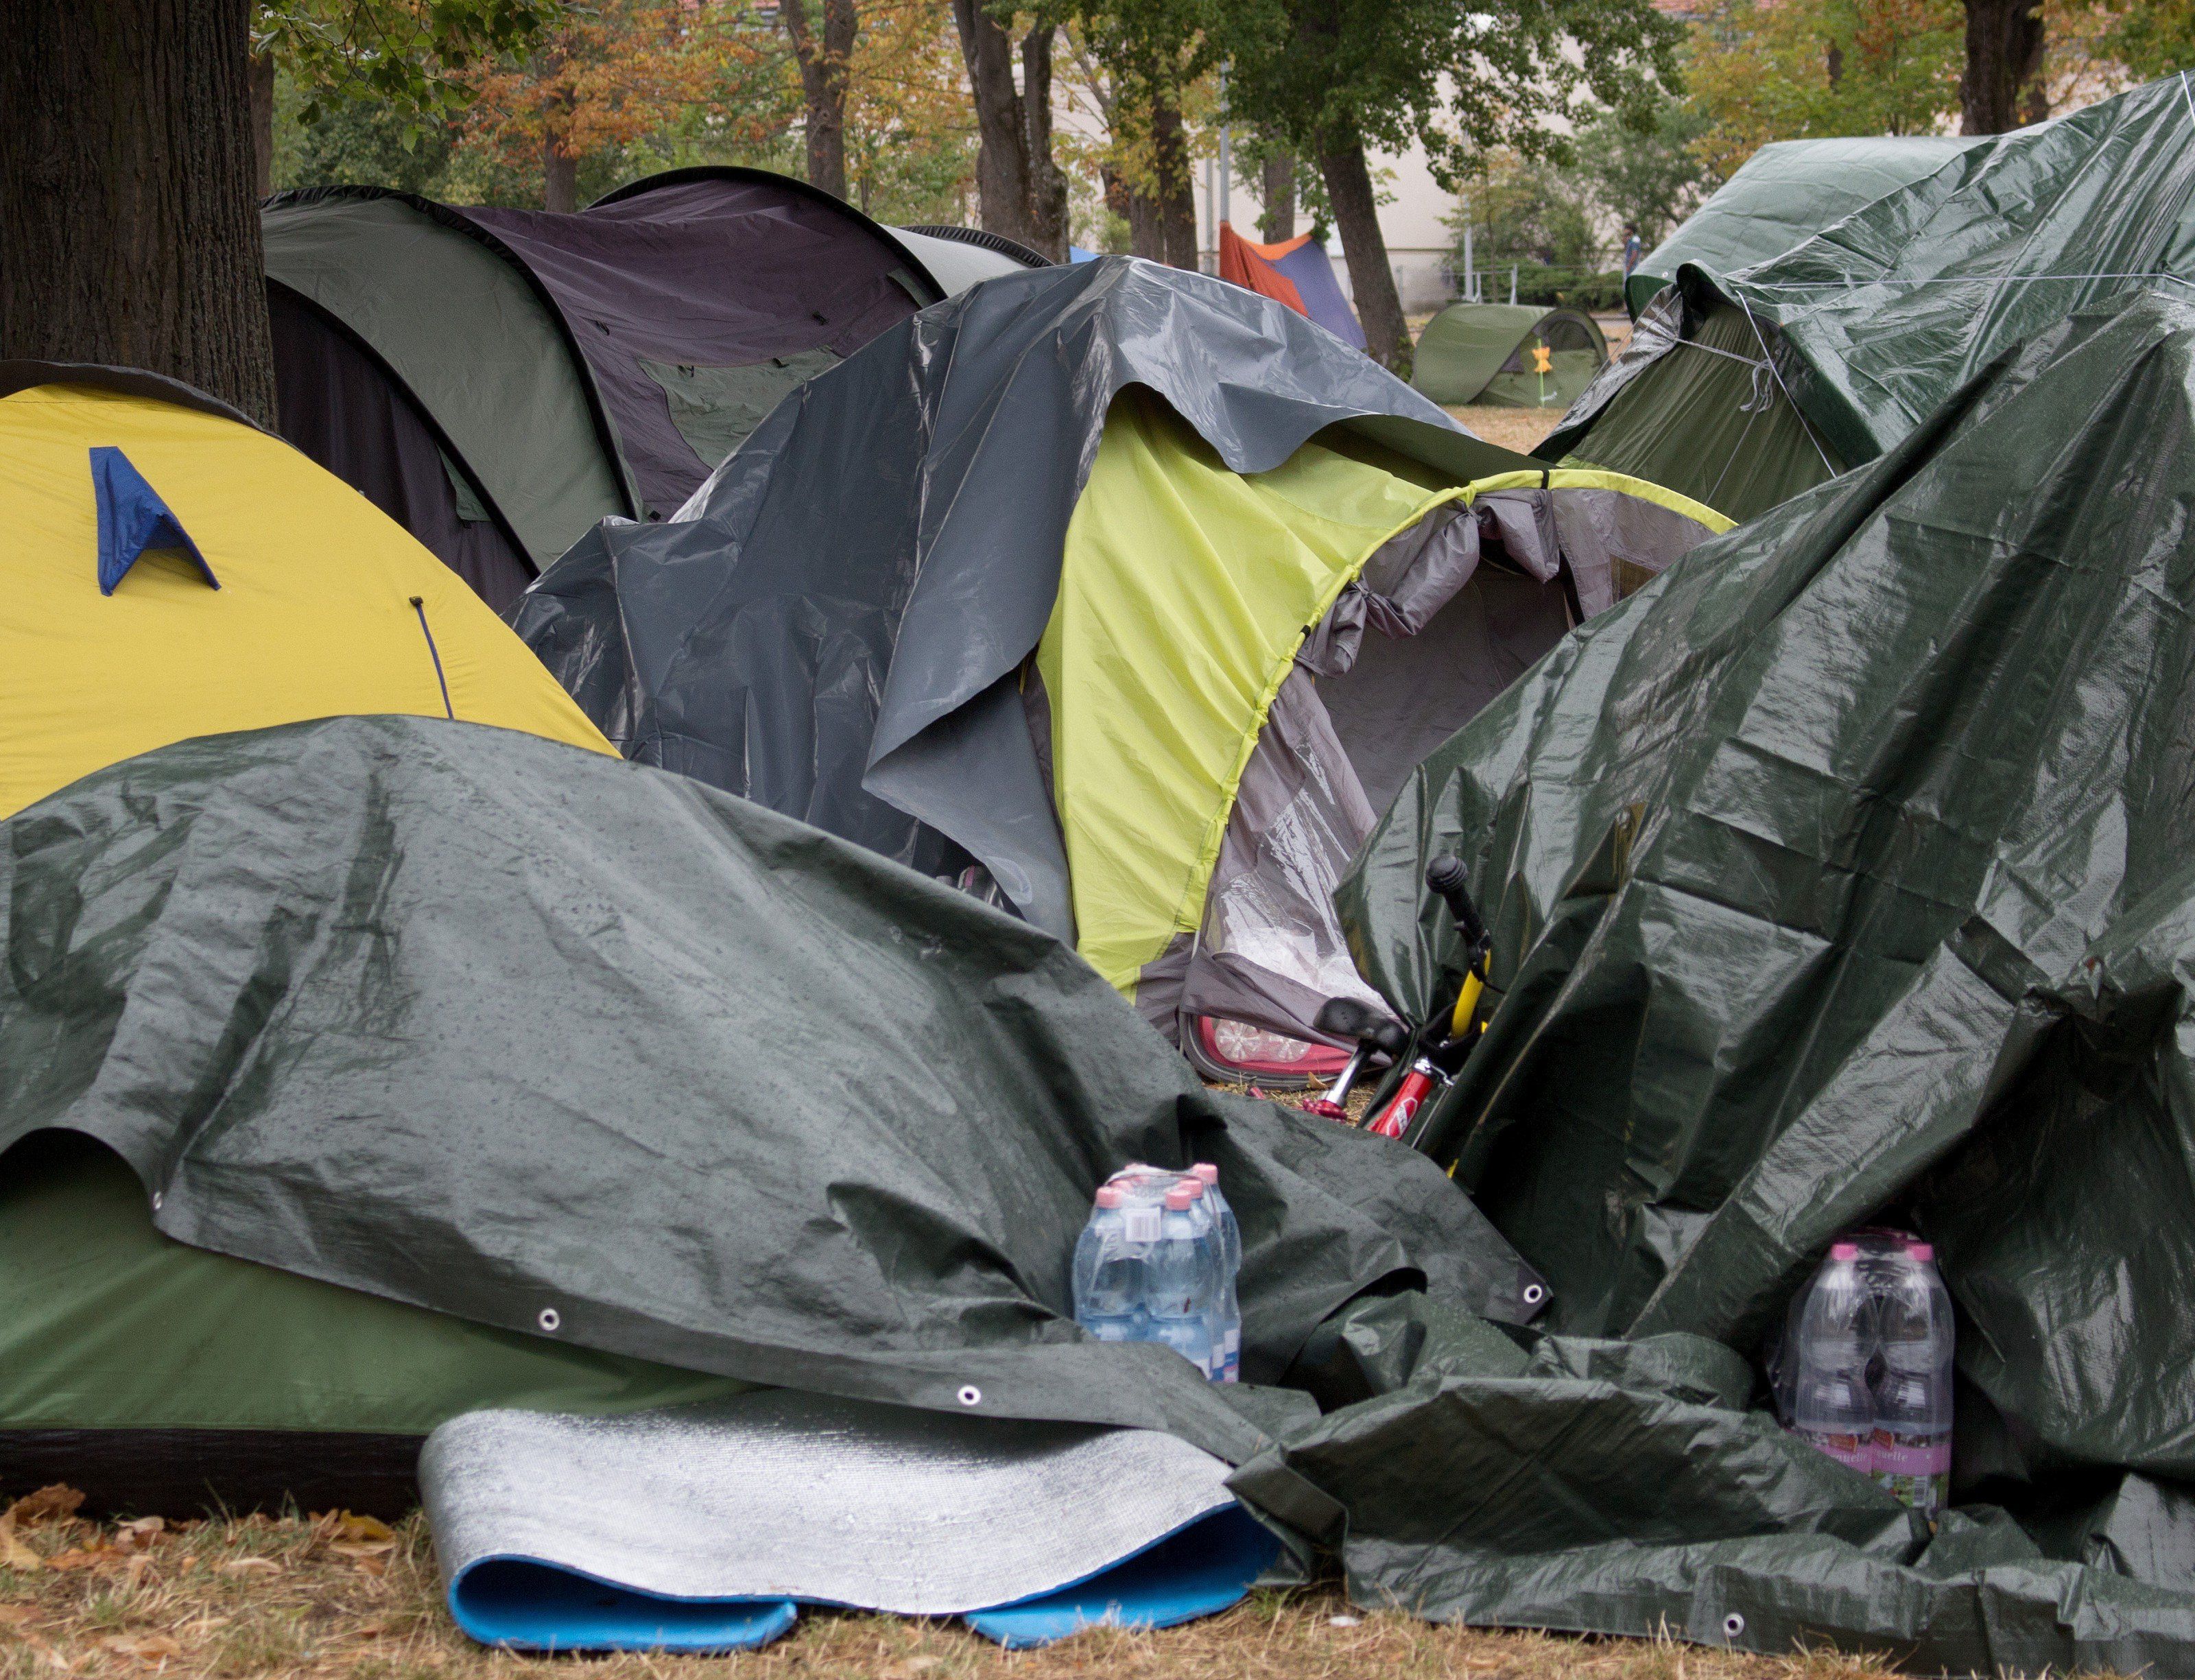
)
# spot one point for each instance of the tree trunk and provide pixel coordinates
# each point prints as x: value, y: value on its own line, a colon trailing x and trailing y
x: 1047, y: 181
x: 1020, y: 191
x: 1177, y: 194
x: 823, y: 84
x: 125, y: 190
x: 1372, y: 282
x: 262, y: 123
x: 2002, y: 86
x: 560, y: 177
x: 1279, y: 220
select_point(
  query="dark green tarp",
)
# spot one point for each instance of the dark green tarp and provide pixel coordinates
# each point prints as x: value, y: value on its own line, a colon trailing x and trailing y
x: 1788, y: 191
x: 1842, y: 873
x: 570, y: 1047
x: 1862, y: 331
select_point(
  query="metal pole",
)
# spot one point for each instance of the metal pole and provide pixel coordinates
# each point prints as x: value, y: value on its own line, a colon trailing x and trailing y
x: 1226, y: 164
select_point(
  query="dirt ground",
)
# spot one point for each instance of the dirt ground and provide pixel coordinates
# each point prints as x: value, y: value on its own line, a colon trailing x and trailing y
x: 347, y: 1599
x: 1518, y: 428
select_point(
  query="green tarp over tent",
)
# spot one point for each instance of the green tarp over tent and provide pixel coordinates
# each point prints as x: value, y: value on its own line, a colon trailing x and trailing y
x: 1788, y: 191
x: 1842, y: 873
x: 607, y: 1064
x: 1491, y: 354
x: 1742, y: 389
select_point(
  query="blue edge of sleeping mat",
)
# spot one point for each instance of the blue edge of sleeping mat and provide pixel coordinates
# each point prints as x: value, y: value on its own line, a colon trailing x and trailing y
x: 525, y: 1604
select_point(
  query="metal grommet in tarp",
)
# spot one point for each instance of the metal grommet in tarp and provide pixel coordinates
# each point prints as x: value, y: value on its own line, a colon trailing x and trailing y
x: 1534, y: 1294
x: 970, y: 1394
x: 550, y: 1320
x: 1733, y: 1624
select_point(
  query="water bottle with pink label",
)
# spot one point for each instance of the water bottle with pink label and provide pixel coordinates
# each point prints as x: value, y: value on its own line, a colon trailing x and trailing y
x: 1831, y: 1406
x: 1912, y: 1447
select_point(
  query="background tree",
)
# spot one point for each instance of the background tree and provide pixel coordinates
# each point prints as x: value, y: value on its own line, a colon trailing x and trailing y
x: 1021, y: 190
x: 1794, y: 68
x: 1640, y: 169
x: 1151, y: 63
x: 401, y: 60
x: 910, y: 138
x: 2001, y: 86
x: 825, y: 56
x: 600, y: 78
x: 126, y: 177
x: 1336, y: 77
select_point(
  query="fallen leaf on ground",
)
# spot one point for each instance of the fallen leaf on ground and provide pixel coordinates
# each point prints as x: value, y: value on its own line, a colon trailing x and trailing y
x: 86, y: 1557
x: 146, y: 1647
x: 355, y: 1527
x: 362, y: 1548
x: 54, y: 1500
x: 252, y: 1566
x: 912, y: 1667
x: 13, y: 1554
x: 135, y: 1536
x: 14, y: 1615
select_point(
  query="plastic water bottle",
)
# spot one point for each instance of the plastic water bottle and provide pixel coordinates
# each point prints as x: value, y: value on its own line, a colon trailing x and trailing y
x: 1183, y: 1276
x: 1230, y: 1305
x: 1109, y: 1283
x: 1912, y: 1451
x: 1832, y: 1406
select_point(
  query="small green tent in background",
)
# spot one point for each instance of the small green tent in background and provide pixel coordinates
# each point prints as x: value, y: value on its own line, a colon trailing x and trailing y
x: 1789, y: 190
x: 1488, y: 353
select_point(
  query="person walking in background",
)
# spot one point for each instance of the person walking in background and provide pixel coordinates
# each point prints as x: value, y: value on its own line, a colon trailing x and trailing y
x: 1633, y: 248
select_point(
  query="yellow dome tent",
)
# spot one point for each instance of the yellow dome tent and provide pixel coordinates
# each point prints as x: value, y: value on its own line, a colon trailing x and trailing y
x: 174, y: 571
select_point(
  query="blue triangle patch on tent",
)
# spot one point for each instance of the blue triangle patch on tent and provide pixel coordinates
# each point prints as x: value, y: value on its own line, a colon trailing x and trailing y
x: 132, y: 518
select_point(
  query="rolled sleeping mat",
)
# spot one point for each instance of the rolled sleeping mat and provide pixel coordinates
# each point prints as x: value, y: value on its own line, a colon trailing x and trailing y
x: 705, y: 1528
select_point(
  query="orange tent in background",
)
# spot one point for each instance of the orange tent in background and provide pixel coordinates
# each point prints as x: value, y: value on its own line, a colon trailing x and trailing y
x: 1296, y: 272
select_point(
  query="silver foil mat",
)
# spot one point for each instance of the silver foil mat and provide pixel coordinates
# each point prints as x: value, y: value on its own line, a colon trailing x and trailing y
x: 778, y: 1494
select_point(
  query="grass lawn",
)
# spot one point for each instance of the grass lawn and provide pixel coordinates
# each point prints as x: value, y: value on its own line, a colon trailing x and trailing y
x: 350, y: 1600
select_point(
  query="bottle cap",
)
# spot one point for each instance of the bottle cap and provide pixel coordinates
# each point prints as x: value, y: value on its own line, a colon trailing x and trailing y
x: 1844, y: 1250
x: 1196, y: 1188
x: 1178, y: 1198
x: 1925, y: 1251
x: 1206, y: 1172
x: 1108, y: 1195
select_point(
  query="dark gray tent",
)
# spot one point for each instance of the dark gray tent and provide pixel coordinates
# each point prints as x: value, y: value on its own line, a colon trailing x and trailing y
x: 1026, y: 584
x: 497, y: 380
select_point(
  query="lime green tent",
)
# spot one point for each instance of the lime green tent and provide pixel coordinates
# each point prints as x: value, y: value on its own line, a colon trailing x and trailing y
x: 1508, y: 355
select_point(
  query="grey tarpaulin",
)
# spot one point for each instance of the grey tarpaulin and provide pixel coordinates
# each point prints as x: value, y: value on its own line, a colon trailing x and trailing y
x: 573, y: 1046
x: 833, y: 625
x: 1841, y: 872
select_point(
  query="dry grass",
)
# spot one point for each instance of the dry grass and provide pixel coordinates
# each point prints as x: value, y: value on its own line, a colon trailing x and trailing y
x: 1518, y: 428
x: 322, y: 1598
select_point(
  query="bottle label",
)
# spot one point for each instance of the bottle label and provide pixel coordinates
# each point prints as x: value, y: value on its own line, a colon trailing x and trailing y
x: 1853, y: 1450
x: 1916, y: 1469
x: 1139, y: 1225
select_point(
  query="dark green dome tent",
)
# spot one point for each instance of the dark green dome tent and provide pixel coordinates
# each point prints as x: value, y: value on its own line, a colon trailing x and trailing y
x: 497, y: 380
x: 1742, y: 390
x: 1508, y: 355
x: 1788, y: 191
x: 1173, y: 590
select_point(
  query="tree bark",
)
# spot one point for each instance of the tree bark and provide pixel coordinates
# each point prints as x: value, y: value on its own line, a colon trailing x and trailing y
x: 823, y: 84
x: 125, y: 189
x: 1176, y: 198
x: 262, y: 123
x: 1356, y: 218
x: 1279, y: 182
x: 1021, y: 192
x: 560, y: 177
x: 2003, y: 87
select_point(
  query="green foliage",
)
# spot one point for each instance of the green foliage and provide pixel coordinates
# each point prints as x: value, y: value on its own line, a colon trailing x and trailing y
x: 358, y: 142
x: 1460, y: 80
x: 2150, y: 37
x: 1643, y: 172
x: 400, y: 55
x: 1763, y: 70
x: 1525, y: 211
